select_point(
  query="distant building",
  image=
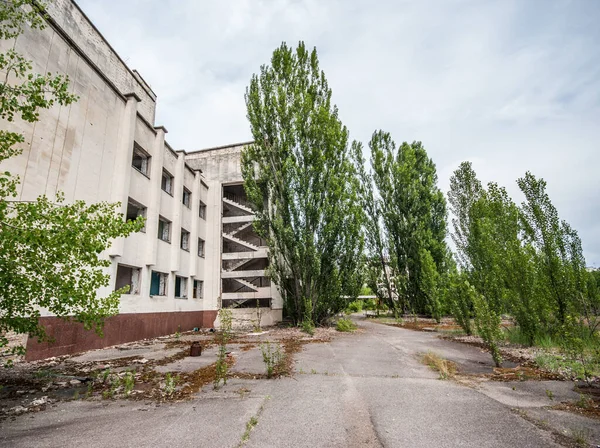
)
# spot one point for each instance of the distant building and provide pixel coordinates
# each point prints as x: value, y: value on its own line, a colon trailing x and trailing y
x: 198, y: 250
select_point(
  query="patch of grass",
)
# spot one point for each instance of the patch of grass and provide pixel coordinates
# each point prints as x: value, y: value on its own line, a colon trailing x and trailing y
x: 581, y: 436
x: 446, y: 369
x: 273, y: 358
x: 308, y: 327
x: 345, y: 325
x: 550, y: 394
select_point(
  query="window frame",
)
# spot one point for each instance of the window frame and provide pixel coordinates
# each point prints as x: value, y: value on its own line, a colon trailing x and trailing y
x: 140, y: 207
x: 161, y: 234
x: 137, y: 149
x: 181, y: 281
x: 187, y: 193
x: 201, y: 244
x: 198, y: 286
x: 202, y: 210
x: 133, y: 290
x: 184, y: 233
x: 170, y: 178
x: 164, y: 284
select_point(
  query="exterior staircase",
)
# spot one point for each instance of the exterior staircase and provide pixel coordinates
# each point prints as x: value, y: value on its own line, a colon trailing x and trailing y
x: 247, y: 284
x: 230, y: 237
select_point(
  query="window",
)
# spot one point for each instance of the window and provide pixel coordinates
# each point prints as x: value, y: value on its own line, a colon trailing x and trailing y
x: 140, y: 160
x: 167, y: 182
x: 202, y: 210
x: 158, y: 284
x: 200, y: 247
x: 134, y: 210
x: 128, y: 276
x: 180, y: 287
x: 198, y: 289
x: 164, y: 229
x: 187, y: 196
x: 185, y: 239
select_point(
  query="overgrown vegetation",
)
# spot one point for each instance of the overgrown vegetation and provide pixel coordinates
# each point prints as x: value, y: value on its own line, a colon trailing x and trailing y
x: 521, y: 261
x: 446, y: 369
x: 272, y: 357
x: 345, y: 325
x: 223, y: 337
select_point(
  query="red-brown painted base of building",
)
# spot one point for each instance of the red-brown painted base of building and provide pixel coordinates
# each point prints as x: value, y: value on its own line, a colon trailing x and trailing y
x: 71, y: 337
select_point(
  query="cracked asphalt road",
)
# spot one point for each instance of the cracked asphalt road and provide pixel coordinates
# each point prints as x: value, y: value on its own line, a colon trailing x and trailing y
x: 361, y: 390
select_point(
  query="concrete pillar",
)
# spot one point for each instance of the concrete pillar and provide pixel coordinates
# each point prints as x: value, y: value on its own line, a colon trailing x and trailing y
x: 176, y: 212
x: 156, y: 168
x: 122, y: 167
x: 194, y: 232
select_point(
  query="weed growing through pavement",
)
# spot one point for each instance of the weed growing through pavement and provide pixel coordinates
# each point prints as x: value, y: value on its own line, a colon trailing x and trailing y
x: 170, y: 384
x: 272, y: 357
x: 226, y: 319
x: 550, y: 394
x: 128, y: 382
x: 446, y: 369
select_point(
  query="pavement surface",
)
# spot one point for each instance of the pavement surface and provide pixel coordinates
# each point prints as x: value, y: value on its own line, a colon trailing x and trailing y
x: 366, y: 389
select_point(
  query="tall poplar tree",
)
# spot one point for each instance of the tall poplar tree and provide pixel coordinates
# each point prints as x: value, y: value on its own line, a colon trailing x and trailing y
x: 299, y: 177
x: 414, y: 217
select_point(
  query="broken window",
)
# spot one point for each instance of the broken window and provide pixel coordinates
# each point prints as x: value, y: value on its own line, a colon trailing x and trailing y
x: 164, y: 229
x: 128, y: 276
x: 158, y: 284
x: 185, y: 239
x: 134, y: 210
x: 202, y: 210
x: 198, y: 289
x: 167, y: 182
x: 187, y: 197
x: 200, y: 247
x: 140, y: 160
x: 180, y: 287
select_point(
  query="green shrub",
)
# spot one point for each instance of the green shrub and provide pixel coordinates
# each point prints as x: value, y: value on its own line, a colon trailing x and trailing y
x: 345, y: 325
x: 355, y: 307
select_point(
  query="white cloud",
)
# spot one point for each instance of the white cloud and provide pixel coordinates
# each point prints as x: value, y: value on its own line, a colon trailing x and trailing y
x: 510, y: 85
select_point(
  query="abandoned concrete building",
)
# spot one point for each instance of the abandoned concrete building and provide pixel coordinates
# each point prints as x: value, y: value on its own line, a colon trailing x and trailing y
x: 198, y: 250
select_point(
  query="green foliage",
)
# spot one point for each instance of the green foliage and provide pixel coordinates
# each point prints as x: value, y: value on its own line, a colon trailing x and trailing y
x: 487, y: 322
x: 50, y: 251
x: 272, y: 357
x: 303, y: 186
x: 355, y: 306
x: 413, y: 220
x: 128, y: 382
x: 223, y: 337
x: 345, y: 325
x: 170, y: 384
x: 460, y: 297
x: 523, y: 260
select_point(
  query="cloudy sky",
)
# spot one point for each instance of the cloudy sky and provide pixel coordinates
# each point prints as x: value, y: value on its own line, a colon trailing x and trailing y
x: 509, y: 85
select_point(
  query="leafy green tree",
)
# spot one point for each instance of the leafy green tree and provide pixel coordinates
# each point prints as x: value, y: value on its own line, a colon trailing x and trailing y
x: 488, y: 321
x: 375, y: 236
x: 303, y: 186
x: 460, y: 296
x: 558, y: 246
x: 51, y: 253
x: 413, y: 211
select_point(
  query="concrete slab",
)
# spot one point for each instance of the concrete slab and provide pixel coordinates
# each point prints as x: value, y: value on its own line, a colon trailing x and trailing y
x: 190, y: 363
x: 154, y: 352
x: 569, y: 424
x: 529, y: 394
x: 207, y: 423
x: 249, y: 361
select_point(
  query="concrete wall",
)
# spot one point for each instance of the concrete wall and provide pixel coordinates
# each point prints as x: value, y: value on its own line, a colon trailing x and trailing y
x: 85, y: 150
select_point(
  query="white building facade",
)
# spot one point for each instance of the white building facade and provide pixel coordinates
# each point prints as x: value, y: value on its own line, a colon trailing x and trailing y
x: 198, y: 250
